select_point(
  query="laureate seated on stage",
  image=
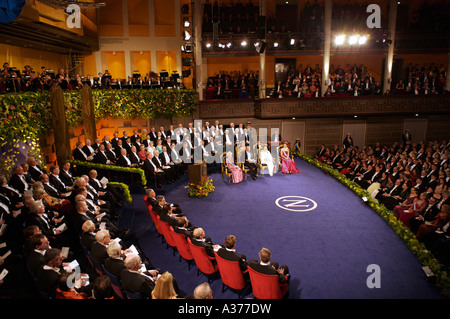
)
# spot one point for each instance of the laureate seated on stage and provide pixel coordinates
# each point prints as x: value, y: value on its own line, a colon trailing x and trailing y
x: 236, y: 171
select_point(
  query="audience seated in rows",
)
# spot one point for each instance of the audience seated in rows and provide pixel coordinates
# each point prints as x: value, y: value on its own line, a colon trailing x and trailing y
x: 411, y: 179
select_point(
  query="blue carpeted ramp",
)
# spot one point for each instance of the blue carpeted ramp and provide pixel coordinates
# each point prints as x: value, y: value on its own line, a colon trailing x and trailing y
x: 328, y: 248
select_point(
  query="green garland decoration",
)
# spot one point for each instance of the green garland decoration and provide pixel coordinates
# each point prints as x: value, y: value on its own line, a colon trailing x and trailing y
x: 201, y: 190
x: 125, y: 190
x: 27, y: 115
x: 132, y: 170
x: 424, y: 256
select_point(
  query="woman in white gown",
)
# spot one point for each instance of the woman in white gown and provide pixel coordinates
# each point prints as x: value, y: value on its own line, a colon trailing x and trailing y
x: 266, y: 158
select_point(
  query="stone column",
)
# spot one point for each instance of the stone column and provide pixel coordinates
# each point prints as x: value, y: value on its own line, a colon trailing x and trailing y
x: 262, y: 55
x: 197, y: 8
x: 87, y: 111
x: 60, y: 131
x: 447, y: 82
x: 327, y: 46
x: 390, y: 54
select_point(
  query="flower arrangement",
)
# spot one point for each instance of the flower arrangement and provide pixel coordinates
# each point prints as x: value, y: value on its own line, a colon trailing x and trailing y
x: 424, y: 256
x: 201, y: 190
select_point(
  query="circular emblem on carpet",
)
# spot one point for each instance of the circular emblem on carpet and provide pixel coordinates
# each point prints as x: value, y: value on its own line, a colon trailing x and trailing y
x: 296, y: 203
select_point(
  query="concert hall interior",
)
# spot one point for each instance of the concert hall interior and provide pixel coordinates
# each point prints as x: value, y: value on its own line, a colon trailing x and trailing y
x: 168, y: 149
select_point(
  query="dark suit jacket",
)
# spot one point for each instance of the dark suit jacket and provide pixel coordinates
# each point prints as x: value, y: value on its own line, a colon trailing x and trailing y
x: 35, y: 261
x: 233, y: 256
x: 59, y: 185
x: 66, y: 178
x: 136, y: 283
x: 100, y: 158
x: 35, y: 173
x: 87, y: 151
x: 52, y: 192
x: 114, y: 266
x: 98, y: 252
x: 77, y: 155
x: 121, y: 161
x: 47, y: 281
x: 112, y: 156
x: 205, y: 244
x: 16, y: 183
x: 134, y: 158
x: 87, y: 239
x: 34, y: 220
x: 186, y: 232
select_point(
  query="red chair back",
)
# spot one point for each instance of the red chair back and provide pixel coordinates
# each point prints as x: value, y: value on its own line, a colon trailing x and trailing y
x: 182, y: 245
x: 231, y: 273
x: 266, y: 286
x: 155, y: 219
x: 165, y: 229
x: 202, y: 260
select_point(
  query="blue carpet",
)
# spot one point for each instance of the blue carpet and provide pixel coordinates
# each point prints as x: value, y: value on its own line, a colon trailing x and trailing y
x: 327, y: 249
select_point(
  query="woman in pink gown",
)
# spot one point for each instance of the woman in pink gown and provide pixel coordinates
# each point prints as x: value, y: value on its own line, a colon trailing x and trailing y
x: 236, y: 171
x: 407, y: 203
x: 287, y: 163
x: 419, y: 205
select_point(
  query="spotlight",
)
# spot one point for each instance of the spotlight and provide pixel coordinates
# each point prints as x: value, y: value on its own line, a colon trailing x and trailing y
x: 353, y: 39
x: 362, y: 40
x: 186, y: 36
x: 187, y: 24
x: 292, y: 42
x: 275, y: 44
x: 229, y: 45
x: 244, y: 43
x: 340, y: 39
x: 208, y: 45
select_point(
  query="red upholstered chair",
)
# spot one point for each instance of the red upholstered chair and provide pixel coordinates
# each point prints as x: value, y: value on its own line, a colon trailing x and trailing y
x: 231, y: 274
x: 202, y: 260
x: 165, y: 229
x: 266, y: 286
x: 183, y: 247
x: 155, y: 220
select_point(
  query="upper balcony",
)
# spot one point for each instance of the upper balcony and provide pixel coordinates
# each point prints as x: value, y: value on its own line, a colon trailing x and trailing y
x: 43, y: 25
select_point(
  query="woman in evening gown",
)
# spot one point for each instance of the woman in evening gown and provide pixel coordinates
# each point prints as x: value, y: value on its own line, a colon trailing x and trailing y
x: 236, y: 171
x: 287, y: 163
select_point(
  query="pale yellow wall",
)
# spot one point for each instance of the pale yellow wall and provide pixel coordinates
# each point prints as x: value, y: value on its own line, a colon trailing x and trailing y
x: 138, y: 18
x: 167, y: 60
x: 164, y: 18
x: 90, y: 66
x: 115, y: 62
x: 141, y: 61
x: 111, y: 18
